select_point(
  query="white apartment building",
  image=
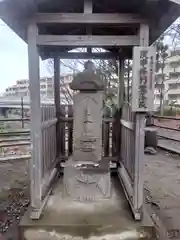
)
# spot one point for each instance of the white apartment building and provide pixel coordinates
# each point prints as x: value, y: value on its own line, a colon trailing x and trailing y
x: 172, y: 80
x: 21, y: 88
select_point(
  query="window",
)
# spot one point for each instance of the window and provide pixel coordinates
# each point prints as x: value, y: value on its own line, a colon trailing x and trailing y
x: 43, y: 86
x: 43, y: 80
x: 158, y: 85
x: 22, y: 82
x: 174, y: 85
x: 174, y: 74
x: 49, y: 85
x: 175, y: 64
x: 173, y: 96
x: 43, y: 93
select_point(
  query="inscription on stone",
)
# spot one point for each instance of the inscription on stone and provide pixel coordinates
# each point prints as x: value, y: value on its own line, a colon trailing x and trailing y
x: 83, y: 186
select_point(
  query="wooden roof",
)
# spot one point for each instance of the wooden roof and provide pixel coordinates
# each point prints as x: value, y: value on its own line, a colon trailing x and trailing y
x: 160, y: 14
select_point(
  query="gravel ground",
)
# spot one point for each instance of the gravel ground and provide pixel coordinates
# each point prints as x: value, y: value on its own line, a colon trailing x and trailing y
x: 162, y: 182
x: 14, y: 196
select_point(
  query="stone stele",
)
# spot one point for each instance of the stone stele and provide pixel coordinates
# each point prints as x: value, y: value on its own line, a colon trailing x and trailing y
x: 85, y: 177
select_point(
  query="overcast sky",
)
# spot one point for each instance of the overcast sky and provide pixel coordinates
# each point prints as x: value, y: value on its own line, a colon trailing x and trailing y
x: 13, y: 58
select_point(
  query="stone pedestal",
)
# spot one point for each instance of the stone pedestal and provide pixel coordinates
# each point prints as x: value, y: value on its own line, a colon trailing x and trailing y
x: 86, y: 177
x: 86, y: 182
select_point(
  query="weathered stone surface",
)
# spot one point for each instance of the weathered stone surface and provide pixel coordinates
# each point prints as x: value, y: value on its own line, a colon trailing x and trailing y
x: 86, y: 178
x: 88, y: 80
x: 86, y: 185
x: 87, y: 126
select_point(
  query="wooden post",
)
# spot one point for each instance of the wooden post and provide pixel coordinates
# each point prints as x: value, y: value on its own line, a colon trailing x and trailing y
x: 35, y: 107
x: 139, y: 137
x: 57, y: 101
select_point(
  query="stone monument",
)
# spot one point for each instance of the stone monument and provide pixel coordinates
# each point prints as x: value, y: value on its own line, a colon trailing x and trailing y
x: 86, y: 175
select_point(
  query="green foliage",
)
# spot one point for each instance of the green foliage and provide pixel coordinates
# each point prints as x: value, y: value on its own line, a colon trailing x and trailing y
x: 169, y: 111
x: 161, y: 53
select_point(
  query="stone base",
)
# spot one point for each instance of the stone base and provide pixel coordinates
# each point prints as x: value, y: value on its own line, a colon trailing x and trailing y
x: 84, y: 182
x: 109, y: 219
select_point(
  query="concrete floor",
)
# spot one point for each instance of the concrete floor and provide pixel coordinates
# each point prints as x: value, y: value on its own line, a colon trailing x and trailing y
x: 70, y: 220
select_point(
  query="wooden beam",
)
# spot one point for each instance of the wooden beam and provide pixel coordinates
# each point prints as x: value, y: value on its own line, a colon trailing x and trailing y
x: 88, y: 8
x: 144, y: 35
x: 88, y: 18
x: 82, y: 55
x: 87, y: 40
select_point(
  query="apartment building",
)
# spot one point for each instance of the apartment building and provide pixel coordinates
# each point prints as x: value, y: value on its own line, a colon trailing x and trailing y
x: 172, y: 80
x: 21, y: 88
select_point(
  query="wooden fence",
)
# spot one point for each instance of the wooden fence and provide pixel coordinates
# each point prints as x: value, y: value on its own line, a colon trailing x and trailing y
x: 110, y: 126
x: 109, y: 134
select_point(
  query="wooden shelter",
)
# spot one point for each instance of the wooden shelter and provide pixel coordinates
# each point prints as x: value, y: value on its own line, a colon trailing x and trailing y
x: 51, y: 29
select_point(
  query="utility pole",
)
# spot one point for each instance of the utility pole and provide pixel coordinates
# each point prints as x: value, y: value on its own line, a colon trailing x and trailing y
x: 22, y: 112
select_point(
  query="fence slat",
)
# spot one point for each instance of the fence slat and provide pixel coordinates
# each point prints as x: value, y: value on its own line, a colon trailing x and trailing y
x: 116, y: 126
x: 62, y: 131
x: 70, y: 131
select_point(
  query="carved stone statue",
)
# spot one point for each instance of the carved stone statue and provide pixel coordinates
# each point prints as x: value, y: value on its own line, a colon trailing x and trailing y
x: 88, y: 80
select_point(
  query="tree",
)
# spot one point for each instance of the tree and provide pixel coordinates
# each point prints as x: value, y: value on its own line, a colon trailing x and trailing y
x: 107, y: 69
x: 161, y: 56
